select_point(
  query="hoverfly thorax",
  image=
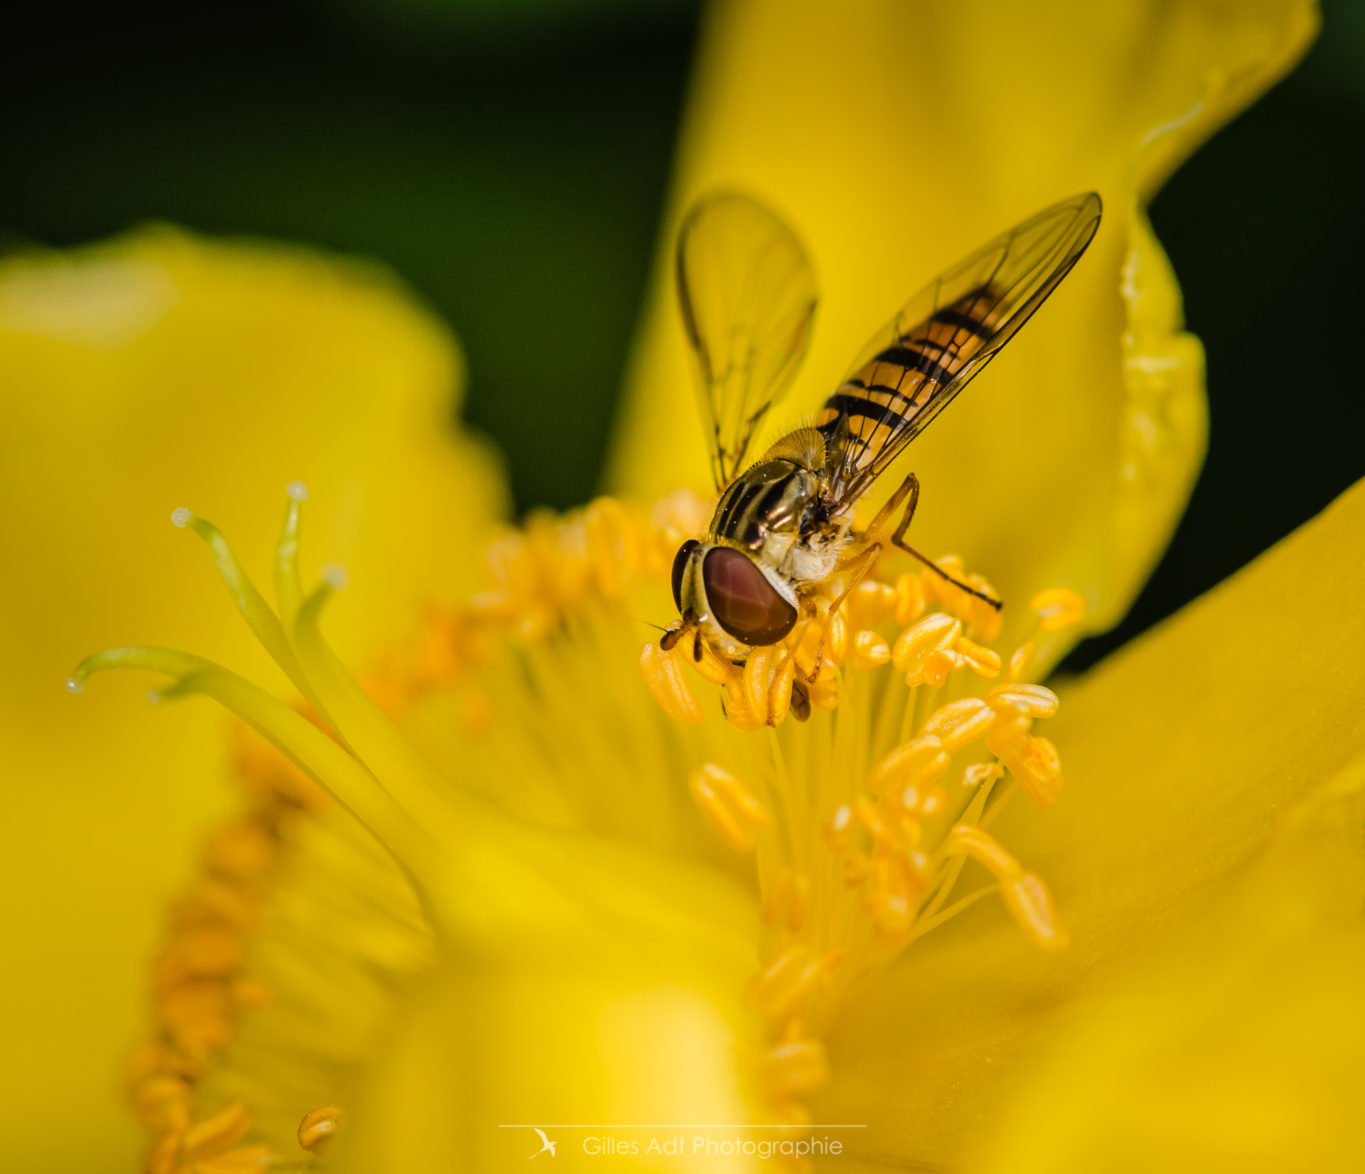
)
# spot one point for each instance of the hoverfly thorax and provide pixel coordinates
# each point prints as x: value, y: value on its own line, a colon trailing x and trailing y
x: 781, y: 545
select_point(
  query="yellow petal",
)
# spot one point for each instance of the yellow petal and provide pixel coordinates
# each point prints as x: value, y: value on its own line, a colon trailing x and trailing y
x: 578, y: 1029
x: 898, y: 137
x: 1239, y: 1045
x: 1180, y: 754
x: 155, y: 372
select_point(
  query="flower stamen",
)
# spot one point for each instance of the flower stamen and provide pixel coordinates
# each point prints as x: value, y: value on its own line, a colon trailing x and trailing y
x: 319, y: 1126
x: 728, y: 805
x: 858, y: 822
x: 1058, y: 608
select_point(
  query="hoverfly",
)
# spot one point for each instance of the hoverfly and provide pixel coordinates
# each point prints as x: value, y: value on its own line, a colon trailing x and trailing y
x: 783, y: 528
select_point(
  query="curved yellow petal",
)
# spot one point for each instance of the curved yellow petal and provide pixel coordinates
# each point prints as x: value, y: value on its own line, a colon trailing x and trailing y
x: 896, y: 138
x: 1180, y: 754
x: 150, y: 373
x: 1239, y: 1045
x: 581, y: 1030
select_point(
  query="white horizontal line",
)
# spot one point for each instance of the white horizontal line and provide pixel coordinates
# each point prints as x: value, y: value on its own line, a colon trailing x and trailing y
x: 743, y: 1125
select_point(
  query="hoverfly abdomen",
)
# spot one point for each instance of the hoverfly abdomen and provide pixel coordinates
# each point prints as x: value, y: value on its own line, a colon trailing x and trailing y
x: 880, y: 399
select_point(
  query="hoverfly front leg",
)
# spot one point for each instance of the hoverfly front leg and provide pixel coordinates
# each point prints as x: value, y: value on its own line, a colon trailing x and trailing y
x: 911, y: 486
x: 859, y: 566
x: 812, y: 612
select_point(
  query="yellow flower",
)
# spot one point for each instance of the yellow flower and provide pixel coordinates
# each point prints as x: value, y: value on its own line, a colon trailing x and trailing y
x: 573, y: 900
x: 577, y: 947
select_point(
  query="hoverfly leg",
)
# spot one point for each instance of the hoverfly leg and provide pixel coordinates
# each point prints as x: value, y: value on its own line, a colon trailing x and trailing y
x: 812, y: 609
x: 860, y: 564
x: 800, y: 704
x: 911, y: 486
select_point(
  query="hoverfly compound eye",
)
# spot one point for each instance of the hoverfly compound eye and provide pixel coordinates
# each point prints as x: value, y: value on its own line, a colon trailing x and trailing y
x: 742, y: 601
x: 680, y: 561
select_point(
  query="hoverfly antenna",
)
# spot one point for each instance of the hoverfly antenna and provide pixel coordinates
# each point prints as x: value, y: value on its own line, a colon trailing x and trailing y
x: 669, y: 640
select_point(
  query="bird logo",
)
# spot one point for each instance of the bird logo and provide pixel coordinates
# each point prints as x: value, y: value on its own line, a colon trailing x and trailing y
x: 545, y: 1144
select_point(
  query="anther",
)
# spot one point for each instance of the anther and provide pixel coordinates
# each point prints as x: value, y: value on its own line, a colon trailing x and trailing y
x: 921, y: 760
x: 710, y: 666
x: 870, y: 603
x: 1029, y: 700
x: 609, y: 539
x: 938, y: 580
x: 215, y: 1133
x: 922, y: 801
x: 736, y: 704
x: 910, y: 600
x: 796, y: 1067
x: 319, y: 1126
x: 823, y: 693
x: 74, y: 686
x: 181, y: 517
x: 664, y: 676
x: 163, y: 1103
x: 939, y: 664
x: 297, y: 491
x: 1022, y: 661
x: 981, y: 772
x: 1036, y: 764
x: 822, y: 647
x: 960, y: 722
x: 1058, y: 608
x: 1030, y: 903
x: 969, y: 597
x: 982, y: 661
x: 870, y: 816
x: 969, y: 840
x: 838, y: 827
x: 921, y: 640
x: 732, y: 810
x: 856, y: 868
x: 984, y: 617
x: 1010, y: 727
x: 778, y: 990
x: 768, y: 676
x: 789, y: 898
x: 677, y: 515
x: 869, y: 650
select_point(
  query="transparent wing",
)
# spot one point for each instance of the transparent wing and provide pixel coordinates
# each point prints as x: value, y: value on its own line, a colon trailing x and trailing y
x: 942, y: 337
x: 748, y: 296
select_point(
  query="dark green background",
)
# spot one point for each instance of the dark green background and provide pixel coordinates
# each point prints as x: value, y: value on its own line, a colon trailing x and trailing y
x: 509, y: 159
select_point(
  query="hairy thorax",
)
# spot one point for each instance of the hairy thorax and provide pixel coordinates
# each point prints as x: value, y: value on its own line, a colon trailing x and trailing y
x: 774, y: 511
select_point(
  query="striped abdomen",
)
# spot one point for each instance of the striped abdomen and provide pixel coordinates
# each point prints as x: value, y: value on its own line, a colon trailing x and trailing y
x: 881, y: 400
